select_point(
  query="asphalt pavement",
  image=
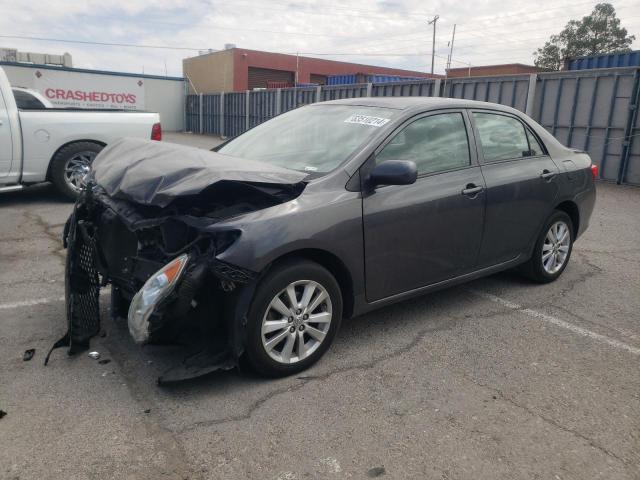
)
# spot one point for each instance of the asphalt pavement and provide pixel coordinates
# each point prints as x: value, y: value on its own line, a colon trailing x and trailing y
x: 496, y: 379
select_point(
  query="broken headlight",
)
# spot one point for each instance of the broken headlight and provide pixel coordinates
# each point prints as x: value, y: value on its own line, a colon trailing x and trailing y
x: 156, y: 289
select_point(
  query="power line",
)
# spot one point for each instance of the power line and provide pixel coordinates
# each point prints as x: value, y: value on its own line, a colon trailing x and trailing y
x: 114, y: 44
x: 108, y: 44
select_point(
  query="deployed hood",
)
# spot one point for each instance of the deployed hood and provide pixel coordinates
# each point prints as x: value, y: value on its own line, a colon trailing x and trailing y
x: 156, y: 173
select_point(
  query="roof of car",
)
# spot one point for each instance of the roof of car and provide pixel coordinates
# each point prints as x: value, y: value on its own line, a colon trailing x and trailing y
x: 405, y: 103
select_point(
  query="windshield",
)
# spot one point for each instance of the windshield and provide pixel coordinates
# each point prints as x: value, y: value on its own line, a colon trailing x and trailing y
x: 313, y: 139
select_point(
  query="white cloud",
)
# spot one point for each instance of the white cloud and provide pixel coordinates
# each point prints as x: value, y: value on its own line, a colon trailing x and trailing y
x: 488, y: 31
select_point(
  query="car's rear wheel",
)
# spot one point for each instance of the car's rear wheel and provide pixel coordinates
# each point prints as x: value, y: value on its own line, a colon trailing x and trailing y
x: 295, y: 314
x: 552, y: 250
x: 71, y: 164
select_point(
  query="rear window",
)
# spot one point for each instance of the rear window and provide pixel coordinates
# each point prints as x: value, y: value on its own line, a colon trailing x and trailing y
x: 26, y: 101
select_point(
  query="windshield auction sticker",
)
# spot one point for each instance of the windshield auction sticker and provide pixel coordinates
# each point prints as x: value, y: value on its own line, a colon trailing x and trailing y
x: 367, y: 120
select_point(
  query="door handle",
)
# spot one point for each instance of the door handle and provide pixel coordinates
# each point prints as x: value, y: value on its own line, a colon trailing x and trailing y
x: 547, y: 175
x: 472, y: 190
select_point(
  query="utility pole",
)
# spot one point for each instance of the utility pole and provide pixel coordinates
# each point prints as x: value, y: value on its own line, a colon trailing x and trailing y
x: 453, y: 37
x: 446, y: 72
x: 433, y: 44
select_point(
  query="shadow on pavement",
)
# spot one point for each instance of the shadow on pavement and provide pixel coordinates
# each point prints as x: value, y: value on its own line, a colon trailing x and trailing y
x: 40, y: 193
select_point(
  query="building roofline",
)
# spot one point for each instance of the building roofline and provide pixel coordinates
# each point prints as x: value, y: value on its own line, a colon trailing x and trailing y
x: 85, y: 70
x: 364, y: 65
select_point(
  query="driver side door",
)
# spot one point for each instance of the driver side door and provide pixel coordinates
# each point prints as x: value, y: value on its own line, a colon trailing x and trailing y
x: 420, y: 234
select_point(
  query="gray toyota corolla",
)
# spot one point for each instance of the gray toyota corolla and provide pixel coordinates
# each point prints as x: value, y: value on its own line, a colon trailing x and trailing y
x: 252, y: 254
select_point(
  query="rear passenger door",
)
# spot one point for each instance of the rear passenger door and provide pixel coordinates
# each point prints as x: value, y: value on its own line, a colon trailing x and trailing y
x: 521, y: 185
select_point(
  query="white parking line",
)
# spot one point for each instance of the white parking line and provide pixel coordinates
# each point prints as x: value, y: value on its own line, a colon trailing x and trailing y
x: 30, y: 303
x: 557, y: 322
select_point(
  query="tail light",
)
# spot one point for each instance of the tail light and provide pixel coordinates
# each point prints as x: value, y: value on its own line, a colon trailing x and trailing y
x: 594, y: 171
x: 156, y: 132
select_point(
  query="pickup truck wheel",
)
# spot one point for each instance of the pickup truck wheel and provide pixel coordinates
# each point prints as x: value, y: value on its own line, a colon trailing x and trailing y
x: 294, y: 316
x: 71, y: 164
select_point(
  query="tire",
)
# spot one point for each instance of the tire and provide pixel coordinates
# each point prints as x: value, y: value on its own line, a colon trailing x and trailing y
x: 301, y: 274
x: 73, y: 151
x: 538, y: 268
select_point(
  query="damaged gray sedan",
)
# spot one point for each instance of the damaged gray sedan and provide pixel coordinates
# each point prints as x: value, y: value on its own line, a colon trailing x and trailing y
x: 254, y: 253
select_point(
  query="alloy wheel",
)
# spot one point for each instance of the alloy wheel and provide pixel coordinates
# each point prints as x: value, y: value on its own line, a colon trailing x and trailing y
x: 296, y: 322
x: 77, y: 168
x: 555, y: 248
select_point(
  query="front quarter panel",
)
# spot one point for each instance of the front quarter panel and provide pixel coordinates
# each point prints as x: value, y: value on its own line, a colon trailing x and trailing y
x: 326, y: 219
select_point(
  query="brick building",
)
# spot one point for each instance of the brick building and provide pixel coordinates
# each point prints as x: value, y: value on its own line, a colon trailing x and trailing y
x: 238, y: 69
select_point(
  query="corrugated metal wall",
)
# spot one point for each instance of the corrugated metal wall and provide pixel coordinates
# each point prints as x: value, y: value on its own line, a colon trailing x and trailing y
x: 192, y: 115
x: 421, y: 88
x: 593, y: 110
x: 263, y: 105
x: 508, y: 90
x: 291, y: 98
x: 336, y: 92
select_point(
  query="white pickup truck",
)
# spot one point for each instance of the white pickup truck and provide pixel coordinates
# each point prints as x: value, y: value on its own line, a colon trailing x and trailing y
x: 58, y: 145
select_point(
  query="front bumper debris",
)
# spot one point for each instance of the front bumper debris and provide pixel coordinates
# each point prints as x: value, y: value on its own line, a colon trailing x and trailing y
x: 206, y: 311
x: 82, y: 288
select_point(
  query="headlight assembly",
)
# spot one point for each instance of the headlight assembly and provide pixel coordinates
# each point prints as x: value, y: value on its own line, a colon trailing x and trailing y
x: 156, y: 289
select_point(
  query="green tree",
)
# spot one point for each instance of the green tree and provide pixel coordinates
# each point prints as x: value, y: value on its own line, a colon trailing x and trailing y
x: 595, y: 34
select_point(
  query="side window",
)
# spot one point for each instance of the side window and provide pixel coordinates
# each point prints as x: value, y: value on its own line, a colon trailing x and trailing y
x: 26, y: 101
x: 435, y: 143
x: 501, y: 137
x: 534, y: 146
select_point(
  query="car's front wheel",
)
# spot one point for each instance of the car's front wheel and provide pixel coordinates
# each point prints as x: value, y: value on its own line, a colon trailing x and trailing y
x: 295, y: 314
x: 552, y: 250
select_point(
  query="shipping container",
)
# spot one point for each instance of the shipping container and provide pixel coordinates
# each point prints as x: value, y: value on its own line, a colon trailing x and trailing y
x: 271, y: 85
x: 355, y: 78
x: 342, y: 79
x: 610, y: 60
x: 391, y: 78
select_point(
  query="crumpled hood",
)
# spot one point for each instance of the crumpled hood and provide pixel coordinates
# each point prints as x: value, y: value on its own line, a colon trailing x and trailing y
x: 156, y: 173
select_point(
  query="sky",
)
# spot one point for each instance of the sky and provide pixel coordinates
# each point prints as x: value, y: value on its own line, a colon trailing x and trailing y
x: 391, y: 33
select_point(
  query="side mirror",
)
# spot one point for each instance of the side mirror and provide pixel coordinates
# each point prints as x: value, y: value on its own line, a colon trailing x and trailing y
x: 394, y: 172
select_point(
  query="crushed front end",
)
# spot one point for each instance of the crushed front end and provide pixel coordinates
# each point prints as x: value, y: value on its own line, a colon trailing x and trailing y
x: 160, y: 258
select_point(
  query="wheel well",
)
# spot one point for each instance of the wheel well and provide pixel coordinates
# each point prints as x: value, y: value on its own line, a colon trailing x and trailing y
x: 102, y: 144
x: 571, y: 209
x: 335, y: 266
